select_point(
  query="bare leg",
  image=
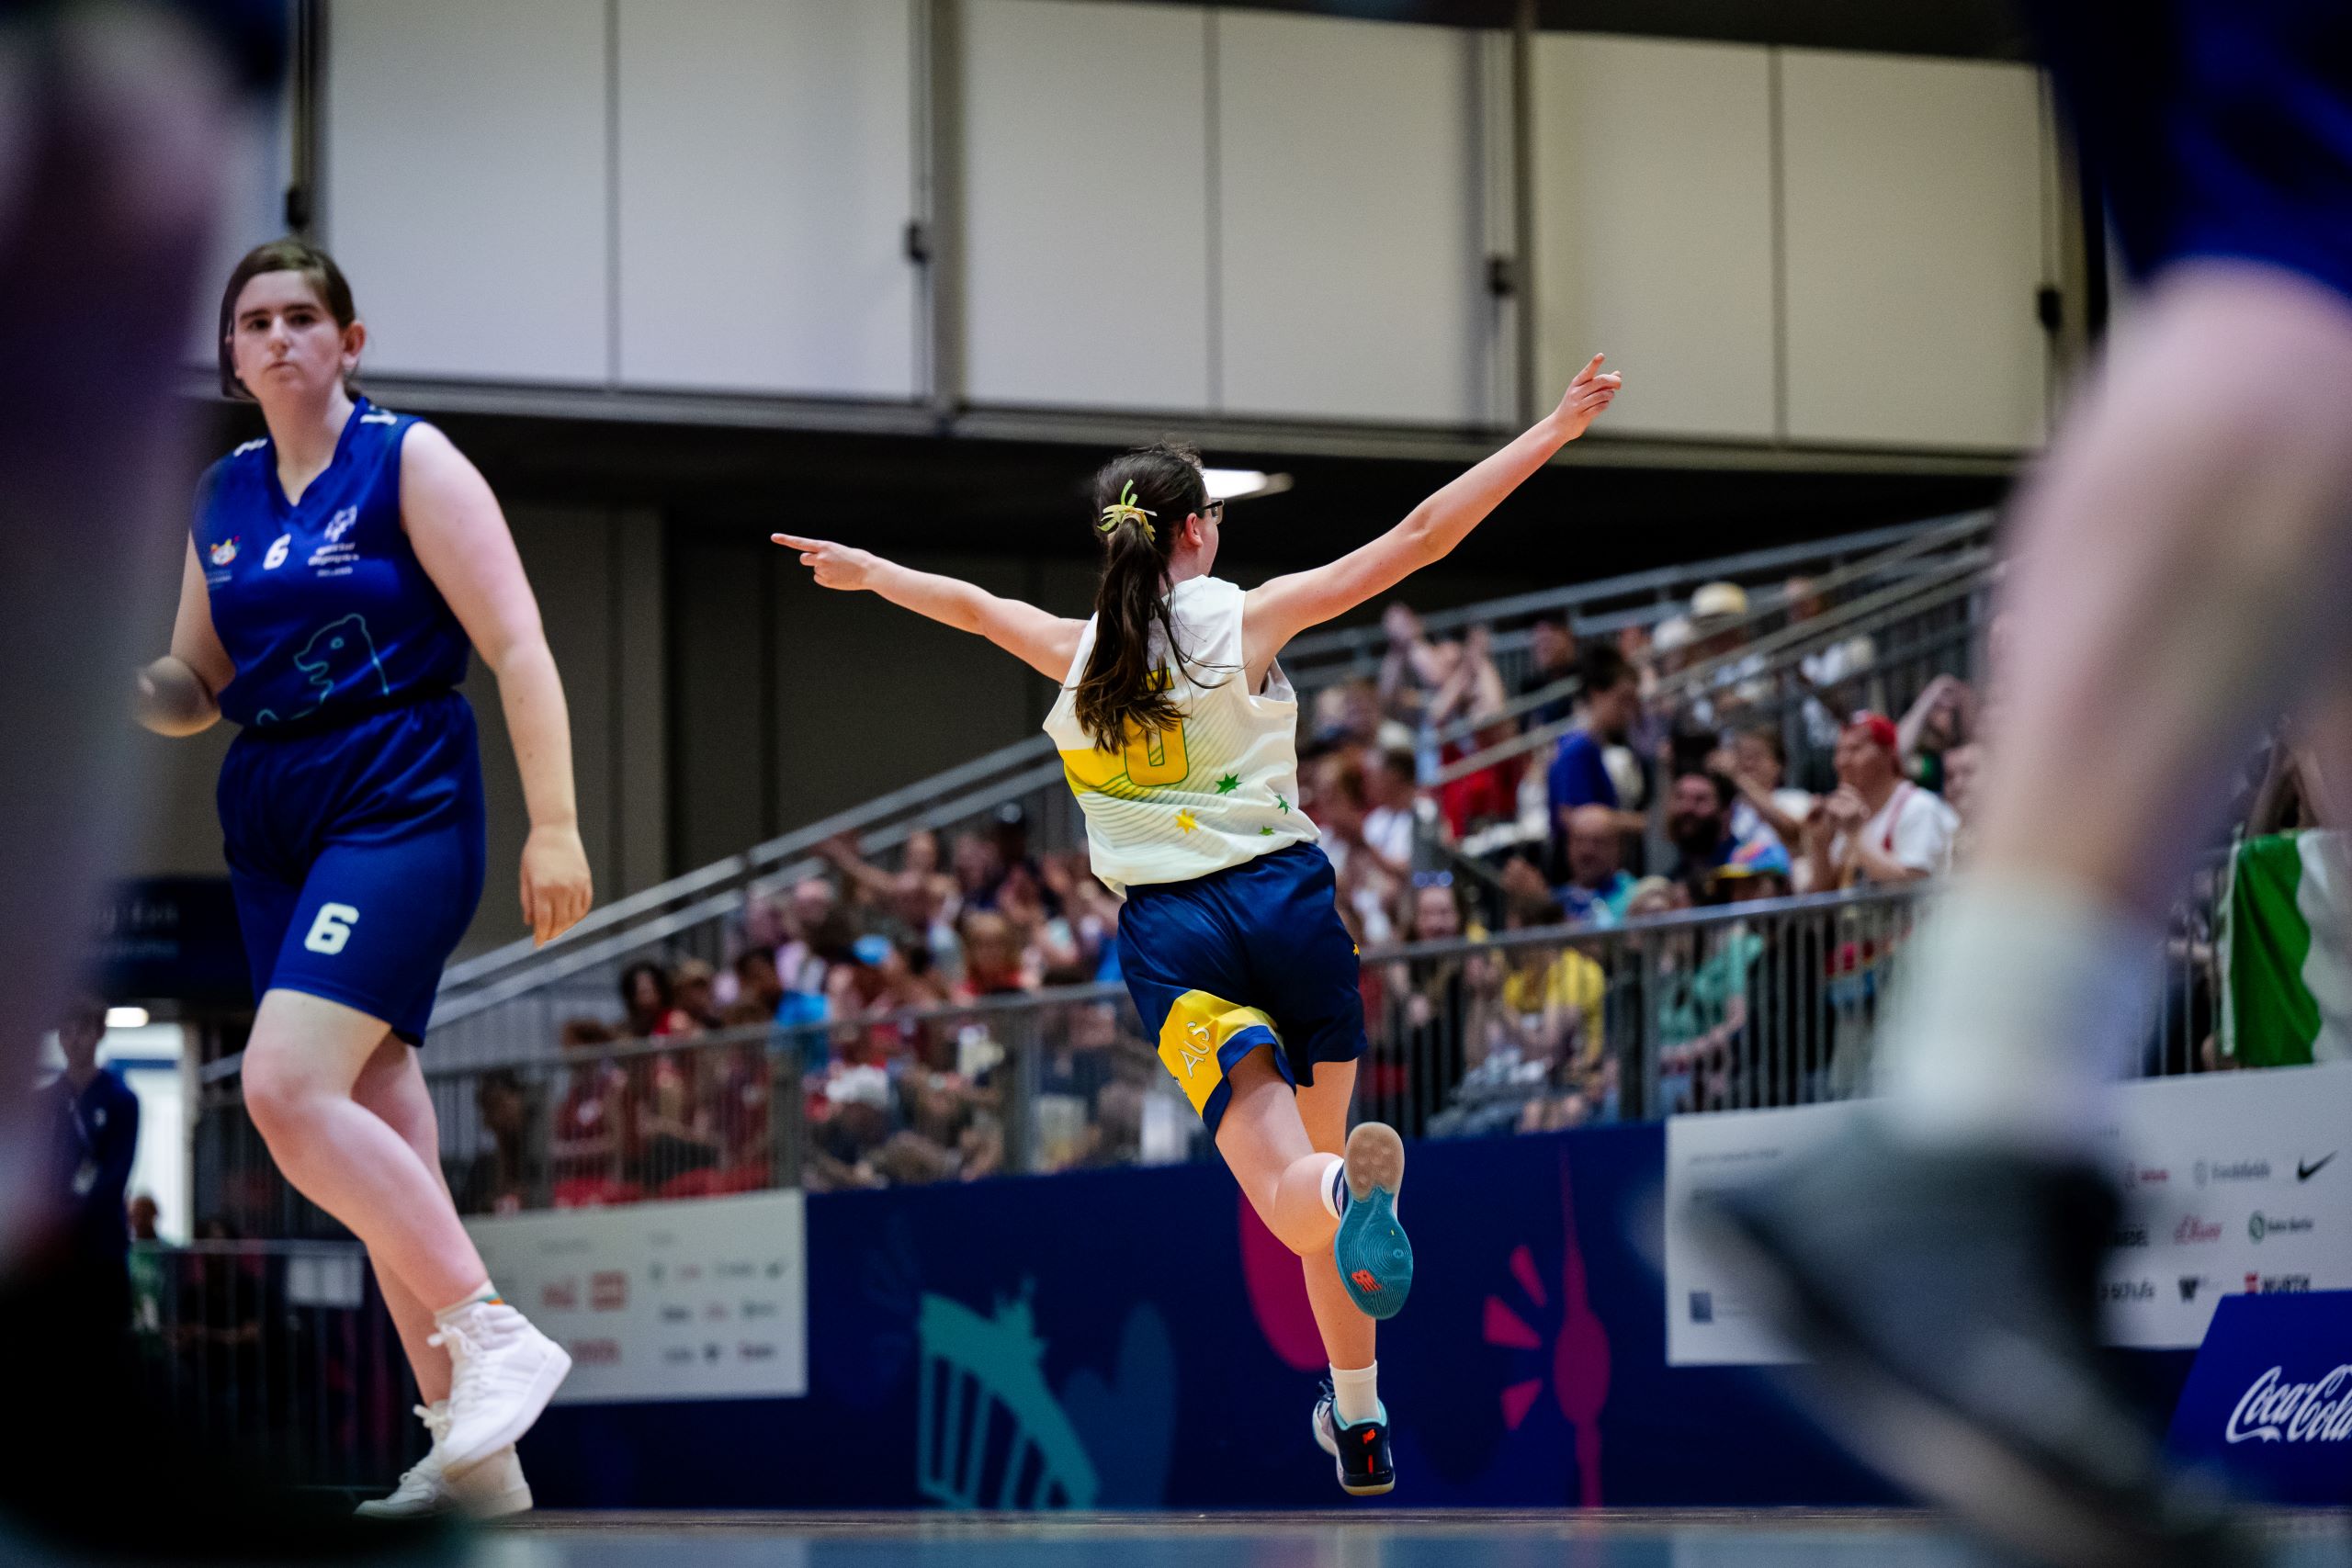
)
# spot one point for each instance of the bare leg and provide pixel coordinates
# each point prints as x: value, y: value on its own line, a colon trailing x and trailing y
x: 393, y: 1086
x: 1265, y: 1145
x: 301, y: 1066
x: 2177, y: 565
x: 1349, y: 1337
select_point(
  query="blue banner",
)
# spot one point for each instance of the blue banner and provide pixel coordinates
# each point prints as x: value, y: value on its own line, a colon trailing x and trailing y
x: 1136, y: 1340
x: 2269, y: 1401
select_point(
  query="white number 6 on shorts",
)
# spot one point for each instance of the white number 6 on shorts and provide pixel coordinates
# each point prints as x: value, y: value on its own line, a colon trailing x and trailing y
x: 332, y: 929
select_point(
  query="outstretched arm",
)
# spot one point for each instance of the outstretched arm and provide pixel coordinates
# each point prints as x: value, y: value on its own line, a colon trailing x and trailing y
x: 1278, y: 611
x: 1046, y: 643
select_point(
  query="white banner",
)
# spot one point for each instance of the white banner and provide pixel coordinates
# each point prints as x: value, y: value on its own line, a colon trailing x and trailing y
x: 2232, y: 1184
x: 704, y: 1299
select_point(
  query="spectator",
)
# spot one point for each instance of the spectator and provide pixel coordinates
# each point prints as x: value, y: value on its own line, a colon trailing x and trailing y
x: 1757, y: 763
x: 1785, y: 1040
x: 1474, y: 694
x: 1962, y: 764
x: 1400, y: 828
x: 994, y: 963
x: 1552, y: 647
x: 1943, y: 717
x: 756, y: 981
x: 1598, y: 885
x: 1579, y: 774
x: 1878, y: 828
x: 676, y: 1128
x: 1552, y: 1012
x: 588, y: 1139
x: 1828, y: 671
x: 646, y: 997
x: 1699, y: 826
x: 1418, y: 1062
x: 976, y: 863
x: 1411, y: 670
x: 1366, y: 887
x: 94, y: 1121
x: 694, y: 996
x: 501, y: 1179
x: 144, y: 1214
x: 849, y: 1126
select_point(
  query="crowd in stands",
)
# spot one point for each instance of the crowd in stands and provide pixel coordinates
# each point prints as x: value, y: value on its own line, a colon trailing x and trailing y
x: 1659, y: 769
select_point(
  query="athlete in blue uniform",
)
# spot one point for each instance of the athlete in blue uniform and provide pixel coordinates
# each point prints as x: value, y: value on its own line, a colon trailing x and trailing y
x: 2181, y: 566
x: 338, y: 575
x: 1178, y: 731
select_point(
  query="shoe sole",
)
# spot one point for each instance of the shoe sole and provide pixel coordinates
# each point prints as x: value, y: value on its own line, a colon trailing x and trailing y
x: 2006, y: 1494
x: 553, y: 1368
x: 516, y: 1500
x: 1329, y: 1445
x: 1375, y: 1259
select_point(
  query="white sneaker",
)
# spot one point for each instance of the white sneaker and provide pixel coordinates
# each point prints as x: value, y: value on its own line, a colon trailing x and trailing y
x: 503, y: 1372
x: 492, y: 1489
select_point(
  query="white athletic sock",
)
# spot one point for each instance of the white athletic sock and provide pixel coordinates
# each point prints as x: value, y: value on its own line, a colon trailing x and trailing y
x: 485, y: 1292
x: 1334, y: 1185
x: 1355, y: 1396
x: 2016, y: 1004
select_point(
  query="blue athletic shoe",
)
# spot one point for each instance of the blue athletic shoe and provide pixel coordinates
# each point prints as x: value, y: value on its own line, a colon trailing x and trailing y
x: 1361, y: 1450
x: 1375, y: 1260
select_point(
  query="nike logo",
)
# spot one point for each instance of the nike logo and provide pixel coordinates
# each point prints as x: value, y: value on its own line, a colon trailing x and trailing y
x: 2305, y: 1172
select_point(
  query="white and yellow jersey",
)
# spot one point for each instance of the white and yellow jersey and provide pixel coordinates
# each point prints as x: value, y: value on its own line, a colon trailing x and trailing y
x: 1220, y: 789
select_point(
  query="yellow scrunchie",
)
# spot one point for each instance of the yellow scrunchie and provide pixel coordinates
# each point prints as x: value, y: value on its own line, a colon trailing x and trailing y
x: 1125, y: 509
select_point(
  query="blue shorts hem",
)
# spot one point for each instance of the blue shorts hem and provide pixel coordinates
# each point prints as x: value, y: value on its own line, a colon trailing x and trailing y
x: 372, y: 1006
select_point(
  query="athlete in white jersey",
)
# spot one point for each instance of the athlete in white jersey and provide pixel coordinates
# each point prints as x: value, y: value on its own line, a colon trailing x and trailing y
x: 1178, y: 732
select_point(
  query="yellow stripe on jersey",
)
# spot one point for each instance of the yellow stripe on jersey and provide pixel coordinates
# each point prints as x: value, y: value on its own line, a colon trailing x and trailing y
x: 1195, y: 1031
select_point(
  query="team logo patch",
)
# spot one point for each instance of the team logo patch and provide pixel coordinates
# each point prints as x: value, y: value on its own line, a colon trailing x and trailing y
x: 342, y: 523
x: 224, y: 552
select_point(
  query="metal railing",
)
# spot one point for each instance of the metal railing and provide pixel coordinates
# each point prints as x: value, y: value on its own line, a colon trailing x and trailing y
x: 515, y: 992
x: 1757, y: 1004
x: 280, y: 1352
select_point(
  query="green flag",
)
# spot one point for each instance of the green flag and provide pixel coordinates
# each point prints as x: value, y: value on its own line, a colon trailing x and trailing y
x: 2286, y: 951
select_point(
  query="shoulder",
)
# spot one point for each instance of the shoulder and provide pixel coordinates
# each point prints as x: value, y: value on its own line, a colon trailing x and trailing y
x: 431, y: 465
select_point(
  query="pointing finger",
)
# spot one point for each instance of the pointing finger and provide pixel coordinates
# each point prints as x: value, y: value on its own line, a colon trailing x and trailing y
x: 793, y: 541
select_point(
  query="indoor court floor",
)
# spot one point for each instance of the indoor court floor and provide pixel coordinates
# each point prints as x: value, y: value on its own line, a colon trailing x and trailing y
x: 1332, y: 1539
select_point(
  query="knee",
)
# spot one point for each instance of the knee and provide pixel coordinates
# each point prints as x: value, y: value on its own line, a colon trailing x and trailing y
x: 280, y: 1096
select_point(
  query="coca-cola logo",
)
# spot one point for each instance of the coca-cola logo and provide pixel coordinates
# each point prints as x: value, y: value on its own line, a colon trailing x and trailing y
x: 2276, y: 1411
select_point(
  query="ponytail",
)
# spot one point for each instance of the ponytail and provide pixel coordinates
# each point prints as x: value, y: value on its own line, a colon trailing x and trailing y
x: 1141, y: 500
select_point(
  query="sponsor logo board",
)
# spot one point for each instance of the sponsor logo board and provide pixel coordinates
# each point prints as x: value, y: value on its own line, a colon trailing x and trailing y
x: 648, y: 1298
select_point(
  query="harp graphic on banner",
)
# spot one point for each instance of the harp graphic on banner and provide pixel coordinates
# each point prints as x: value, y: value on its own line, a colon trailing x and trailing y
x: 990, y: 1433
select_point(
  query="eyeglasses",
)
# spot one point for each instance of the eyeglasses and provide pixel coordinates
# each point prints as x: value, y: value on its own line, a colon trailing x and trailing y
x: 1432, y: 879
x: 1213, y: 513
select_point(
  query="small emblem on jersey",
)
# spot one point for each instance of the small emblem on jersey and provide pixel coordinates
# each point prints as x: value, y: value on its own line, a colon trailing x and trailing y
x: 379, y: 416
x: 256, y: 445
x: 341, y: 523
x: 224, y: 552
x: 277, y: 548
x: 1187, y: 823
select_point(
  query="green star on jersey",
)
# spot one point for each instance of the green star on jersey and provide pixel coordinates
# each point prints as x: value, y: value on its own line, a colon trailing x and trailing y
x: 1228, y: 783
x: 1265, y: 832
x: 1281, y: 805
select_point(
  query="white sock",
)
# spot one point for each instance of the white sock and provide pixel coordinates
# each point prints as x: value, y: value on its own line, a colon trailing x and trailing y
x: 1333, y: 1176
x: 2017, y: 1003
x: 1355, y: 1396
x: 485, y: 1292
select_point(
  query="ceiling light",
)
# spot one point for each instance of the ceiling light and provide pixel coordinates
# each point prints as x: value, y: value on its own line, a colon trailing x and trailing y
x: 126, y: 1017
x: 1243, y: 484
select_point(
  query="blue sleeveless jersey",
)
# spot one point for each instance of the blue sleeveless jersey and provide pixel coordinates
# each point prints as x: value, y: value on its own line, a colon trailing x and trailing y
x: 321, y: 604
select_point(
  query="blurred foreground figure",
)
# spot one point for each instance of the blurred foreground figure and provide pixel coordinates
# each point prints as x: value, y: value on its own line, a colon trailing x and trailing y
x: 2180, y: 565
x: 116, y: 121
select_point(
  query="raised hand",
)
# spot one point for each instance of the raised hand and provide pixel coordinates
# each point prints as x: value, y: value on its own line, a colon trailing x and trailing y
x: 836, y: 566
x: 1589, y: 394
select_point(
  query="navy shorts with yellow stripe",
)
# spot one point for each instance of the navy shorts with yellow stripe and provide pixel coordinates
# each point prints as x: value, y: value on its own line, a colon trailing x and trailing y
x: 1251, y: 955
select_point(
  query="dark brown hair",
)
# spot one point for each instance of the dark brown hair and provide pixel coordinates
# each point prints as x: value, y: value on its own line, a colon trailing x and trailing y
x: 282, y: 255
x: 1121, y: 685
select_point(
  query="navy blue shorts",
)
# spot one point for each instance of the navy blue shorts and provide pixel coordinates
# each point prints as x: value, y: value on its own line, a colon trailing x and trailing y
x: 1248, y: 957
x: 357, y: 854
x: 2219, y: 128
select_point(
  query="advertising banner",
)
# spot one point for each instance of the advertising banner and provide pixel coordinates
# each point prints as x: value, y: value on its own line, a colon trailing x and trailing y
x: 2269, y: 1401
x: 2234, y: 1184
x: 702, y: 1299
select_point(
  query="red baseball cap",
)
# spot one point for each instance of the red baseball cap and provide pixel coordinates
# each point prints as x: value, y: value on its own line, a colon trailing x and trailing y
x: 1882, y: 729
